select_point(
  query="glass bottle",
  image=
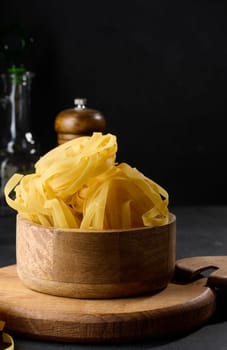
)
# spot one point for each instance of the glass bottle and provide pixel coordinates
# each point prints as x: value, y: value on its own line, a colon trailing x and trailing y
x: 18, y: 149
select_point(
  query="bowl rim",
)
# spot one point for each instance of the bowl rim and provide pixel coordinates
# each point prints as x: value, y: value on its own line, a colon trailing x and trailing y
x: 172, y: 219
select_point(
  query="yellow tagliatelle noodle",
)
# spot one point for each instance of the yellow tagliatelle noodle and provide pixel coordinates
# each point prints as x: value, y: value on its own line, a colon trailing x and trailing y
x: 7, y: 340
x: 79, y: 185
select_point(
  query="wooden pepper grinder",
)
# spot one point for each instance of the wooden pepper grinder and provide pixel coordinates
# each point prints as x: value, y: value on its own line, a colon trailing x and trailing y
x: 78, y: 121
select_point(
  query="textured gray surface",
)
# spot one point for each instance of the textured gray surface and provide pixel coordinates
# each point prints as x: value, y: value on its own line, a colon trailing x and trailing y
x: 200, y: 231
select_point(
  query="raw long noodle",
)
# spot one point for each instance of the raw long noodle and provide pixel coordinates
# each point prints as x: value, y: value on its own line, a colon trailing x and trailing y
x: 79, y: 185
x: 7, y: 340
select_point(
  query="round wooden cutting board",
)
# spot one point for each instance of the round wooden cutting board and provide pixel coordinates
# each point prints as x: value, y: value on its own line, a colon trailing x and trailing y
x: 178, y: 309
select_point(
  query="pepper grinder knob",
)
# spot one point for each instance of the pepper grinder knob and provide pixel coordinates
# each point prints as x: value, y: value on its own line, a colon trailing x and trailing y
x: 80, y: 103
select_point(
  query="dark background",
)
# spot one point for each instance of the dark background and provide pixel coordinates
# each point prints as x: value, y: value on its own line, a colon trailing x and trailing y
x: 156, y: 69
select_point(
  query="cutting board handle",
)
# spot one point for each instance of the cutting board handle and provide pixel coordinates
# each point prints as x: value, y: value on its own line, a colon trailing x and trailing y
x: 189, y: 268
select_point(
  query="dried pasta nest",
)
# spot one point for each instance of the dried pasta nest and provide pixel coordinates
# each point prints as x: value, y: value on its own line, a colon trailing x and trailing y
x: 79, y: 185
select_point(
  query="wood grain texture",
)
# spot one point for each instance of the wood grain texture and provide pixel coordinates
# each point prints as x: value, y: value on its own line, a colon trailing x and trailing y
x: 178, y: 309
x: 95, y: 264
x: 191, y: 267
x: 72, y: 123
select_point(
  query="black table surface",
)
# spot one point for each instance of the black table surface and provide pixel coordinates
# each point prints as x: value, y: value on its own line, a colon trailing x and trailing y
x: 201, y: 230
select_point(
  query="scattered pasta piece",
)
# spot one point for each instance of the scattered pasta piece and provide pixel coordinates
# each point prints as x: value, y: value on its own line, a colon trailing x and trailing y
x: 79, y: 185
x: 7, y: 340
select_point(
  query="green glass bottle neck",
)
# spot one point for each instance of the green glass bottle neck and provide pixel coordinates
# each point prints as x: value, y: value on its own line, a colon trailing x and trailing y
x: 16, y: 70
x: 17, y: 75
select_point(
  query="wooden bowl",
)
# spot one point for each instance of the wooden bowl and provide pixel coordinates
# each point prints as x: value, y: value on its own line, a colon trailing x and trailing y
x: 95, y: 264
